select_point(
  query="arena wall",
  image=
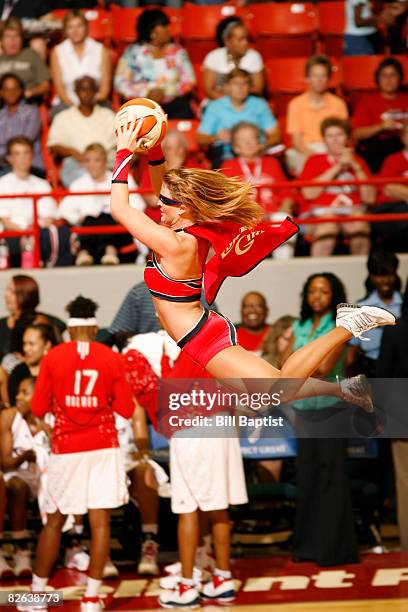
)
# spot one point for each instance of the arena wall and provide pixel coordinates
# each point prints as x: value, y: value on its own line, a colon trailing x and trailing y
x: 280, y: 281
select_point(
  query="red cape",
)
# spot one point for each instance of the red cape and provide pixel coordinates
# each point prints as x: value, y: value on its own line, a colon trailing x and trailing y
x: 238, y: 249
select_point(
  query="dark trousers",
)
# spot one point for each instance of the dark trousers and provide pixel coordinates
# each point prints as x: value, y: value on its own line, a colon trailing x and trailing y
x: 96, y: 244
x: 324, y: 523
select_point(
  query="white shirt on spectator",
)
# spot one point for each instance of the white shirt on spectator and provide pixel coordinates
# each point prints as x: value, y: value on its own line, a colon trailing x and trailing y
x: 70, y: 128
x: 20, y: 210
x: 218, y: 61
x: 75, y: 208
x: 72, y: 66
x: 366, y: 13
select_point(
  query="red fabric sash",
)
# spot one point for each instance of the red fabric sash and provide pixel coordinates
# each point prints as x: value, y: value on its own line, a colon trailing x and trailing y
x: 238, y: 249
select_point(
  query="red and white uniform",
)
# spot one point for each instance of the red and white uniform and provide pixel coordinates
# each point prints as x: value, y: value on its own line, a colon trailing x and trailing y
x: 394, y: 165
x: 83, y: 384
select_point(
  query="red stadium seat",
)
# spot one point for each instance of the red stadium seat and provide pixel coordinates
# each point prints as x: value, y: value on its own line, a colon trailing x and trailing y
x: 99, y: 23
x: 331, y: 27
x: 286, y: 79
x: 124, y: 23
x: 188, y: 127
x: 358, y: 74
x: 284, y: 30
x: 199, y: 24
x: 198, y: 69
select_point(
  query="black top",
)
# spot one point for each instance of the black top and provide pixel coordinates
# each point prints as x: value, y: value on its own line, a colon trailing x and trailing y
x: 393, y: 359
x: 18, y: 374
x: 5, y: 331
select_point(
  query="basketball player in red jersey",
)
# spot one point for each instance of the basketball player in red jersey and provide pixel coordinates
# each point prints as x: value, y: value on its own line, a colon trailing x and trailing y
x: 199, y: 207
x: 83, y: 383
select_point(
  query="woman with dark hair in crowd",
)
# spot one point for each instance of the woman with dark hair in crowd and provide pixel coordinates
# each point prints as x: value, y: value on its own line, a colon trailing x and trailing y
x: 156, y: 67
x: 378, y: 118
x: 233, y: 52
x: 22, y: 295
x: 324, y: 527
x: 382, y: 289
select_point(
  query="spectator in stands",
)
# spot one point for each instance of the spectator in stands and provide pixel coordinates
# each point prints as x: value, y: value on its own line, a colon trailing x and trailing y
x: 94, y: 210
x: 379, y: 116
x: 307, y: 111
x: 136, y: 314
x: 175, y: 148
x: 252, y: 329
x: 236, y: 105
x: 276, y: 345
x: 20, y: 435
x: 233, y: 52
x: 73, y: 129
x: 383, y: 289
x: 393, y: 363
x: 393, y: 199
x: 324, y: 523
x: 156, y: 67
x: 22, y: 295
x: 79, y: 55
x: 17, y: 213
x: 38, y: 339
x: 24, y: 62
x: 261, y: 170
x: 361, y: 33
x: 18, y: 119
x: 339, y: 163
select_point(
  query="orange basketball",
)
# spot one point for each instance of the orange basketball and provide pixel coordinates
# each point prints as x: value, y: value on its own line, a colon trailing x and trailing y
x: 154, y: 124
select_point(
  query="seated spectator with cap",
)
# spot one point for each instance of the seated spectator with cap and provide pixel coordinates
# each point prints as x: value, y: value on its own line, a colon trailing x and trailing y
x: 17, y: 213
x: 23, y: 61
x: 339, y: 163
x: 233, y: 52
x: 379, y: 116
x: 17, y: 118
x: 236, y: 105
x: 252, y: 329
x: 73, y: 129
x: 307, y: 111
x: 93, y: 210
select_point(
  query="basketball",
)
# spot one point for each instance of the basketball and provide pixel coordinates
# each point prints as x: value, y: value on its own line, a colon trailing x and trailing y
x: 154, y: 125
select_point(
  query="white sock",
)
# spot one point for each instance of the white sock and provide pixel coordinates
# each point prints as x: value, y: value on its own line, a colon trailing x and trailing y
x: 187, y: 581
x: 222, y: 573
x: 77, y: 530
x: 92, y: 587
x: 150, y: 528
x: 38, y: 584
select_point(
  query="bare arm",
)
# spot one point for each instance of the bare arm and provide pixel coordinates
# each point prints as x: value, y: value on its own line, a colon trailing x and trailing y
x: 57, y: 79
x: 258, y: 83
x: 106, y: 77
x: 298, y: 144
x: 367, y: 192
x: 210, y: 88
x: 273, y: 136
x: 6, y: 438
x: 61, y: 151
x: 140, y: 430
x: 311, y: 193
x: 396, y: 191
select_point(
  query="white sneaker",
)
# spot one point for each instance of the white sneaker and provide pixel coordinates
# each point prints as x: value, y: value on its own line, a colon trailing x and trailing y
x: 181, y: 597
x: 91, y: 604
x: 148, y: 560
x: 357, y: 391
x: 110, y: 570
x: 111, y: 257
x: 84, y: 259
x: 219, y: 589
x: 173, y: 568
x: 359, y: 319
x: 171, y: 581
x: 22, y: 563
x: 77, y: 558
x: 6, y: 571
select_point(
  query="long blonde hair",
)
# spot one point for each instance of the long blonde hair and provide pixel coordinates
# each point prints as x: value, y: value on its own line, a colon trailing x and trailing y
x: 214, y: 197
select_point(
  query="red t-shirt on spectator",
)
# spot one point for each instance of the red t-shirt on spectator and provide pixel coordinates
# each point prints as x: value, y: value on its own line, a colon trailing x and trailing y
x: 394, y: 165
x: 83, y: 384
x: 317, y: 165
x: 374, y: 108
x: 251, y: 341
x: 264, y: 171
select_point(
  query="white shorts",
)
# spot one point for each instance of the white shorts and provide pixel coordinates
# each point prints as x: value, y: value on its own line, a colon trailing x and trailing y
x: 205, y: 473
x: 78, y: 482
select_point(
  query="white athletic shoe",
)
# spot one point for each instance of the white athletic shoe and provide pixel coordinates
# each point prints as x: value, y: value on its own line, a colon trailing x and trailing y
x: 22, y: 563
x: 359, y: 319
x: 219, y: 589
x: 148, y: 561
x: 6, y: 571
x: 171, y: 581
x: 357, y: 391
x: 173, y: 568
x: 110, y: 570
x: 181, y: 597
x: 77, y: 558
x: 91, y: 604
x: 203, y: 562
